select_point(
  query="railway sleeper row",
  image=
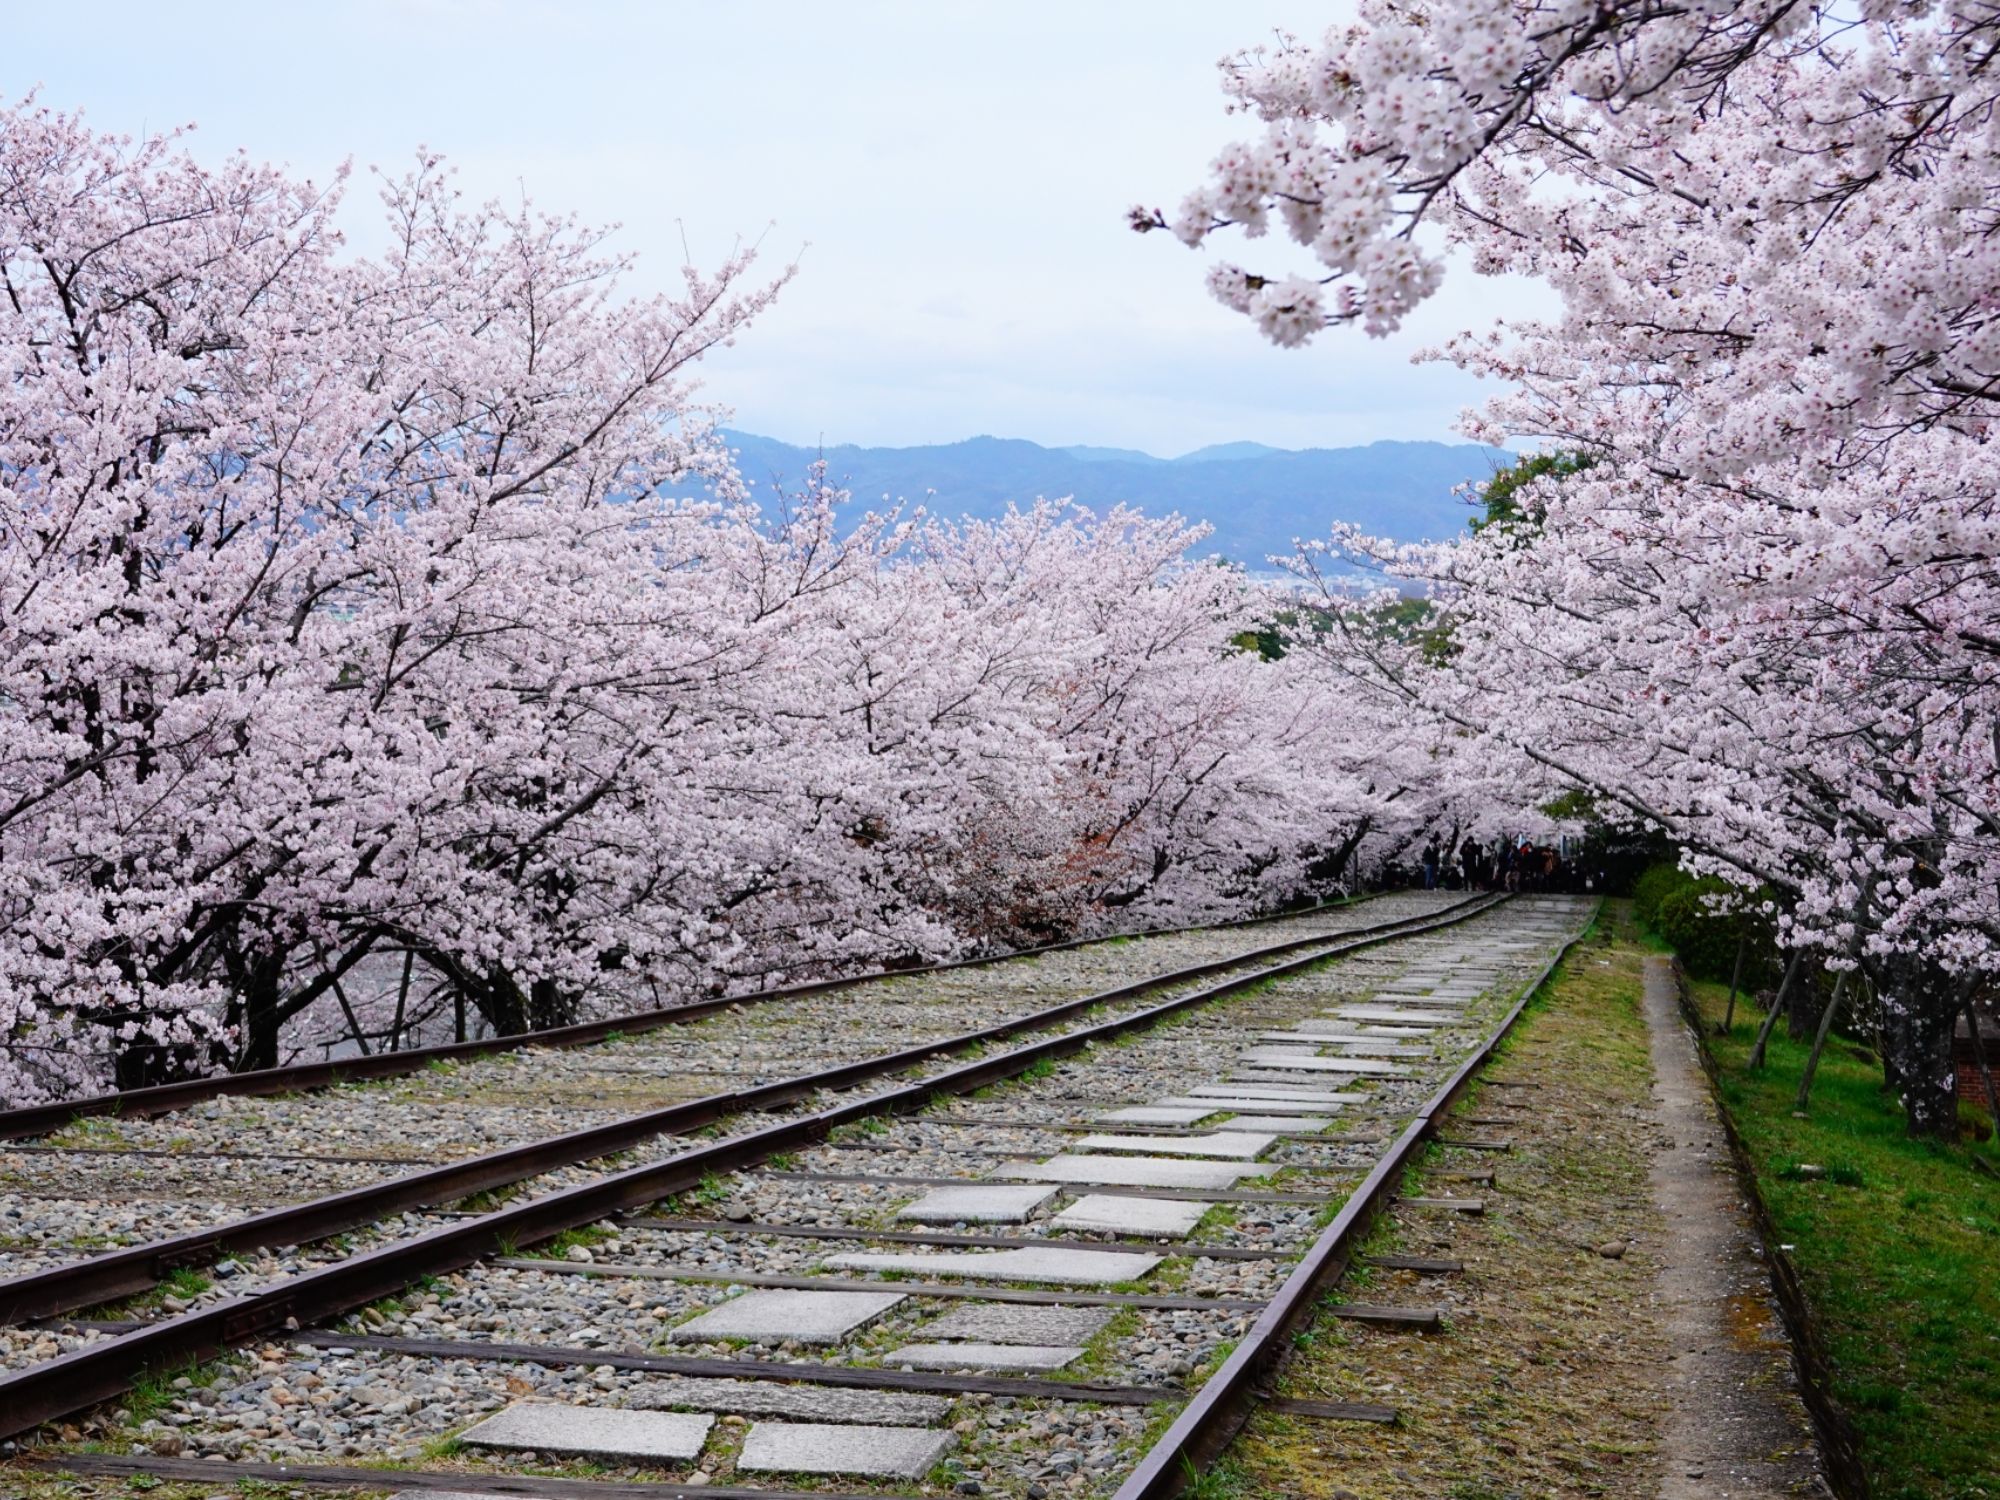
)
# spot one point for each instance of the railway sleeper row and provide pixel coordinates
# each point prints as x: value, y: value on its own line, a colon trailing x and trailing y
x: 832, y: 1051
x: 1041, y: 1292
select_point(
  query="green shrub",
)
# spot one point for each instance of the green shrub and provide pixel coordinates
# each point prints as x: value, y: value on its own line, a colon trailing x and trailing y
x: 1653, y: 887
x: 1673, y: 904
x: 1706, y: 940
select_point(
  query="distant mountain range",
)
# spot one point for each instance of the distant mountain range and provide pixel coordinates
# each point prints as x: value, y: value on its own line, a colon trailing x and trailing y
x: 1257, y: 498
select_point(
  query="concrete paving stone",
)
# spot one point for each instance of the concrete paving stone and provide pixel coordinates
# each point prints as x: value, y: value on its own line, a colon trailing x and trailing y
x: 1224, y: 1145
x: 1131, y: 1171
x: 593, y: 1432
x: 1018, y: 1323
x: 983, y: 1204
x: 1307, y: 1124
x: 983, y: 1356
x: 1153, y: 1114
x: 1036, y: 1263
x: 1312, y: 1062
x: 817, y: 1448
x: 1108, y: 1213
x: 774, y: 1316
x: 814, y: 1403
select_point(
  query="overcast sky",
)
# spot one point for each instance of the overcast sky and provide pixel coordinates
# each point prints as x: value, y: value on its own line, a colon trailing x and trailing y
x: 956, y: 173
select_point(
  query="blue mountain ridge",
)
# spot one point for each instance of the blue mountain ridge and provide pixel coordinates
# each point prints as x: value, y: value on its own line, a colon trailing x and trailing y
x: 1258, y: 499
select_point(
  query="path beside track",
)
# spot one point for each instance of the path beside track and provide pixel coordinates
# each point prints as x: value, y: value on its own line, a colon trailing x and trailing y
x: 1594, y: 1344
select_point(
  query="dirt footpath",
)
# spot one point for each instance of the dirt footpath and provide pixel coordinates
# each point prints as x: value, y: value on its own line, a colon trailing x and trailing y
x: 1735, y: 1426
x: 1611, y: 1332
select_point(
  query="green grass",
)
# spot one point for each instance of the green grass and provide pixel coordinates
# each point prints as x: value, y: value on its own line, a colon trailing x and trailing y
x: 1898, y: 1245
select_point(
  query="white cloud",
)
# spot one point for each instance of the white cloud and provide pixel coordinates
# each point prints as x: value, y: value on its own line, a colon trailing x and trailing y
x: 960, y: 172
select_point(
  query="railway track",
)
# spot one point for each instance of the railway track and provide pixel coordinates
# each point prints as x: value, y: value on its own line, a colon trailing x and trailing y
x: 35, y: 1120
x: 1055, y: 1254
x: 227, y: 1176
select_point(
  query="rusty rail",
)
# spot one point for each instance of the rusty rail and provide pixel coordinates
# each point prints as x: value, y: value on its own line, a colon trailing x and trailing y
x: 97, y: 1372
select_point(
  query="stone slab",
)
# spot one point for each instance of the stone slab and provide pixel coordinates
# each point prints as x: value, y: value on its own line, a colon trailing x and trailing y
x: 980, y: 1204
x: 983, y: 1356
x: 1130, y: 1171
x: 1223, y: 1145
x: 1107, y: 1213
x: 593, y: 1432
x: 812, y: 1403
x: 1036, y: 1263
x: 774, y: 1316
x: 1308, y: 1124
x: 1019, y: 1323
x: 820, y: 1448
x: 1155, y: 1114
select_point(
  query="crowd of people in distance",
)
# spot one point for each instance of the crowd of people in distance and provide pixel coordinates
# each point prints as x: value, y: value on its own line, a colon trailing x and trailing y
x: 1507, y: 865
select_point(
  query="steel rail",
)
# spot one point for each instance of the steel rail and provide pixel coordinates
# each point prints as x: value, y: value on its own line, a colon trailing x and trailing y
x: 120, y: 1273
x: 166, y: 1098
x: 98, y: 1372
x: 1218, y: 1410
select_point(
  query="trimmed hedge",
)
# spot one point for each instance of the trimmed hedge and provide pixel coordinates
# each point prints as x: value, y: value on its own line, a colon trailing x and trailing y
x: 1673, y: 903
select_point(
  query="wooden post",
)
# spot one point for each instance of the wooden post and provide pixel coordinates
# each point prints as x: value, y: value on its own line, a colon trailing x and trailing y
x: 402, y: 1000
x: 1819, y: 1041
x: 1735, y: 976
x: 1979, y: 1057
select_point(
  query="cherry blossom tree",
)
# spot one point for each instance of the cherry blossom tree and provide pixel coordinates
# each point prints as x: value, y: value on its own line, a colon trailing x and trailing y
x: 1760, y: 612
x: 318, y: 624
x: 383, y: 637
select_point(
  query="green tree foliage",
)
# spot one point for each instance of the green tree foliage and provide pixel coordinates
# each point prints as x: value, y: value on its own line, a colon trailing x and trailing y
x: 1499, y: 494
x: 1681, y: 908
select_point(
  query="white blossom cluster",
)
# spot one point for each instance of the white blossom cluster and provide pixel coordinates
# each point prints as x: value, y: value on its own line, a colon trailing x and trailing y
x: 1763, y: 610
x: 351, y: 626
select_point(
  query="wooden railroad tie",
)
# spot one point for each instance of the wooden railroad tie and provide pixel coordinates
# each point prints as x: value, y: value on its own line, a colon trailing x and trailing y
x: 750, y: 1229
x: 1151, y: 1302
x: 1424, y: 1265
x: 1467, y: 1145
x: 1174, y: 1195
x: 1457, y: 1205
x: 1330, y: 1411
x: 848, y: 1377
x: 1417, y: 1319
x: 207, y: 1472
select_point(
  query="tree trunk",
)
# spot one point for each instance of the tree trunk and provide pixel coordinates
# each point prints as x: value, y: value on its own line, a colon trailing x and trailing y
x: 550, y: 1005
x: 1985, y: 1070
x: 1777, y: 1008
x: 1819, y: 1040
x: 1736, y: 977
x: 1919, y: 1003
x: 263, y: 1012
x: 1803, y: 1008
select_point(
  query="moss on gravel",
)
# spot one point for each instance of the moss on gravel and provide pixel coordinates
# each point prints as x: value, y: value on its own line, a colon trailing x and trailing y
x: 1546, y: 1380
